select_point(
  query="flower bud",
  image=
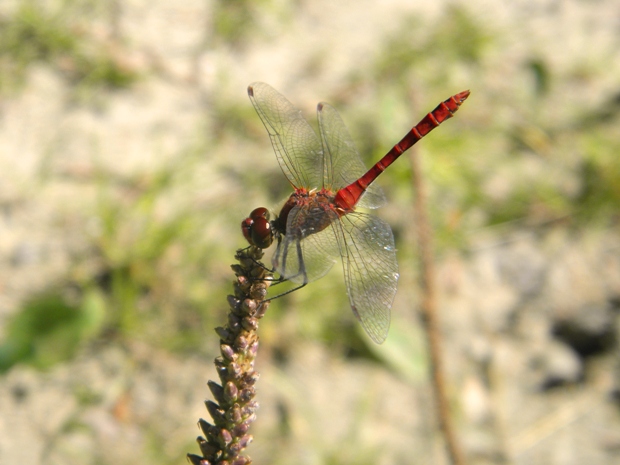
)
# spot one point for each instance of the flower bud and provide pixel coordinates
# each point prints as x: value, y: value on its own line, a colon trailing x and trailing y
x: 249, y: 323
x: 226, y: 436
x: 217, y: 391
x: 233, y: 301
x: 249, y: 305
x: 247, y: 394
x: 245, y: 440
x: 227, y: 352
x: 241, y: 461
x: 216, y: 412
x: 234, y: 370
x: 231, y: 391
x: 241, y: 343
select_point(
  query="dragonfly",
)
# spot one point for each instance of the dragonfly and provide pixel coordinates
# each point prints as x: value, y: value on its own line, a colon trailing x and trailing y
x: 320, y: 220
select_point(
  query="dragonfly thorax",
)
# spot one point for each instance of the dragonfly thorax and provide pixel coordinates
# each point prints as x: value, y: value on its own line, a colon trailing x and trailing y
x: 312, y: 212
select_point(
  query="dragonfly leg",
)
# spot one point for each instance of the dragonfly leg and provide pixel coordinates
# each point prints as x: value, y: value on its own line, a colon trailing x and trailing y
x: 285, y: 292
x: 270, y: 279
x: 281, y: 279
x: 280, y: 262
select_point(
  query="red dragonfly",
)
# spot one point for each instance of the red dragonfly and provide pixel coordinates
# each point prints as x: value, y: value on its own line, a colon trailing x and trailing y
x: 320, y: 221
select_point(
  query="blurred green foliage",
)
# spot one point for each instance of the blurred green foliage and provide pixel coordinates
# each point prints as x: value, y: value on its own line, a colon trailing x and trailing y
x: 60, y: 38
x: 412, y: 51
x: 148, y: 275
x: 50, y: 329
x: 151, y: 258
x: 234, y: 21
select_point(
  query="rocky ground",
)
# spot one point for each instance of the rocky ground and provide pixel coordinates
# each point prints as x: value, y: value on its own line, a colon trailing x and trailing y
x: 530, y: 313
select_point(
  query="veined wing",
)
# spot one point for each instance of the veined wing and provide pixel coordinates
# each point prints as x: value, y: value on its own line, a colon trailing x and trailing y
x: 309, y: 248
x: 343, y: 164
x: 370, y: 270
x: 295, y: 143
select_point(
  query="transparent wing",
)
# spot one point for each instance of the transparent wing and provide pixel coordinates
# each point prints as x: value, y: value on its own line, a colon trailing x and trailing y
x: 343, y: 164
x: 295, y: 143
x: 310, y: 248
x: 370, y: 270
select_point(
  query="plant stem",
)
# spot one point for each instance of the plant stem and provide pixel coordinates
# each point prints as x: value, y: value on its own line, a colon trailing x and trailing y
x: 234, y: 408
x: 429, y: 312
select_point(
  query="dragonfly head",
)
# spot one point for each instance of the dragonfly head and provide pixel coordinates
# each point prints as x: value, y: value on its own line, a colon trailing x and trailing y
x: 257, y: 229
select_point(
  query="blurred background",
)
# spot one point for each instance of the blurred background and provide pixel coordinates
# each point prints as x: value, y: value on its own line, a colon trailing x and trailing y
x: 129, y: 154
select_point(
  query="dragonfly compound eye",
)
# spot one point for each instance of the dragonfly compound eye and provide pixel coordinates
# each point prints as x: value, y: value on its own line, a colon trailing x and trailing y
x: 246, y: 229
x: 260, y: 212
x: 257, y: 229
x: 261, y: 233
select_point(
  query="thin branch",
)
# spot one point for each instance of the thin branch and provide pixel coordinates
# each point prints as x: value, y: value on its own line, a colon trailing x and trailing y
x: 429, y: 312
